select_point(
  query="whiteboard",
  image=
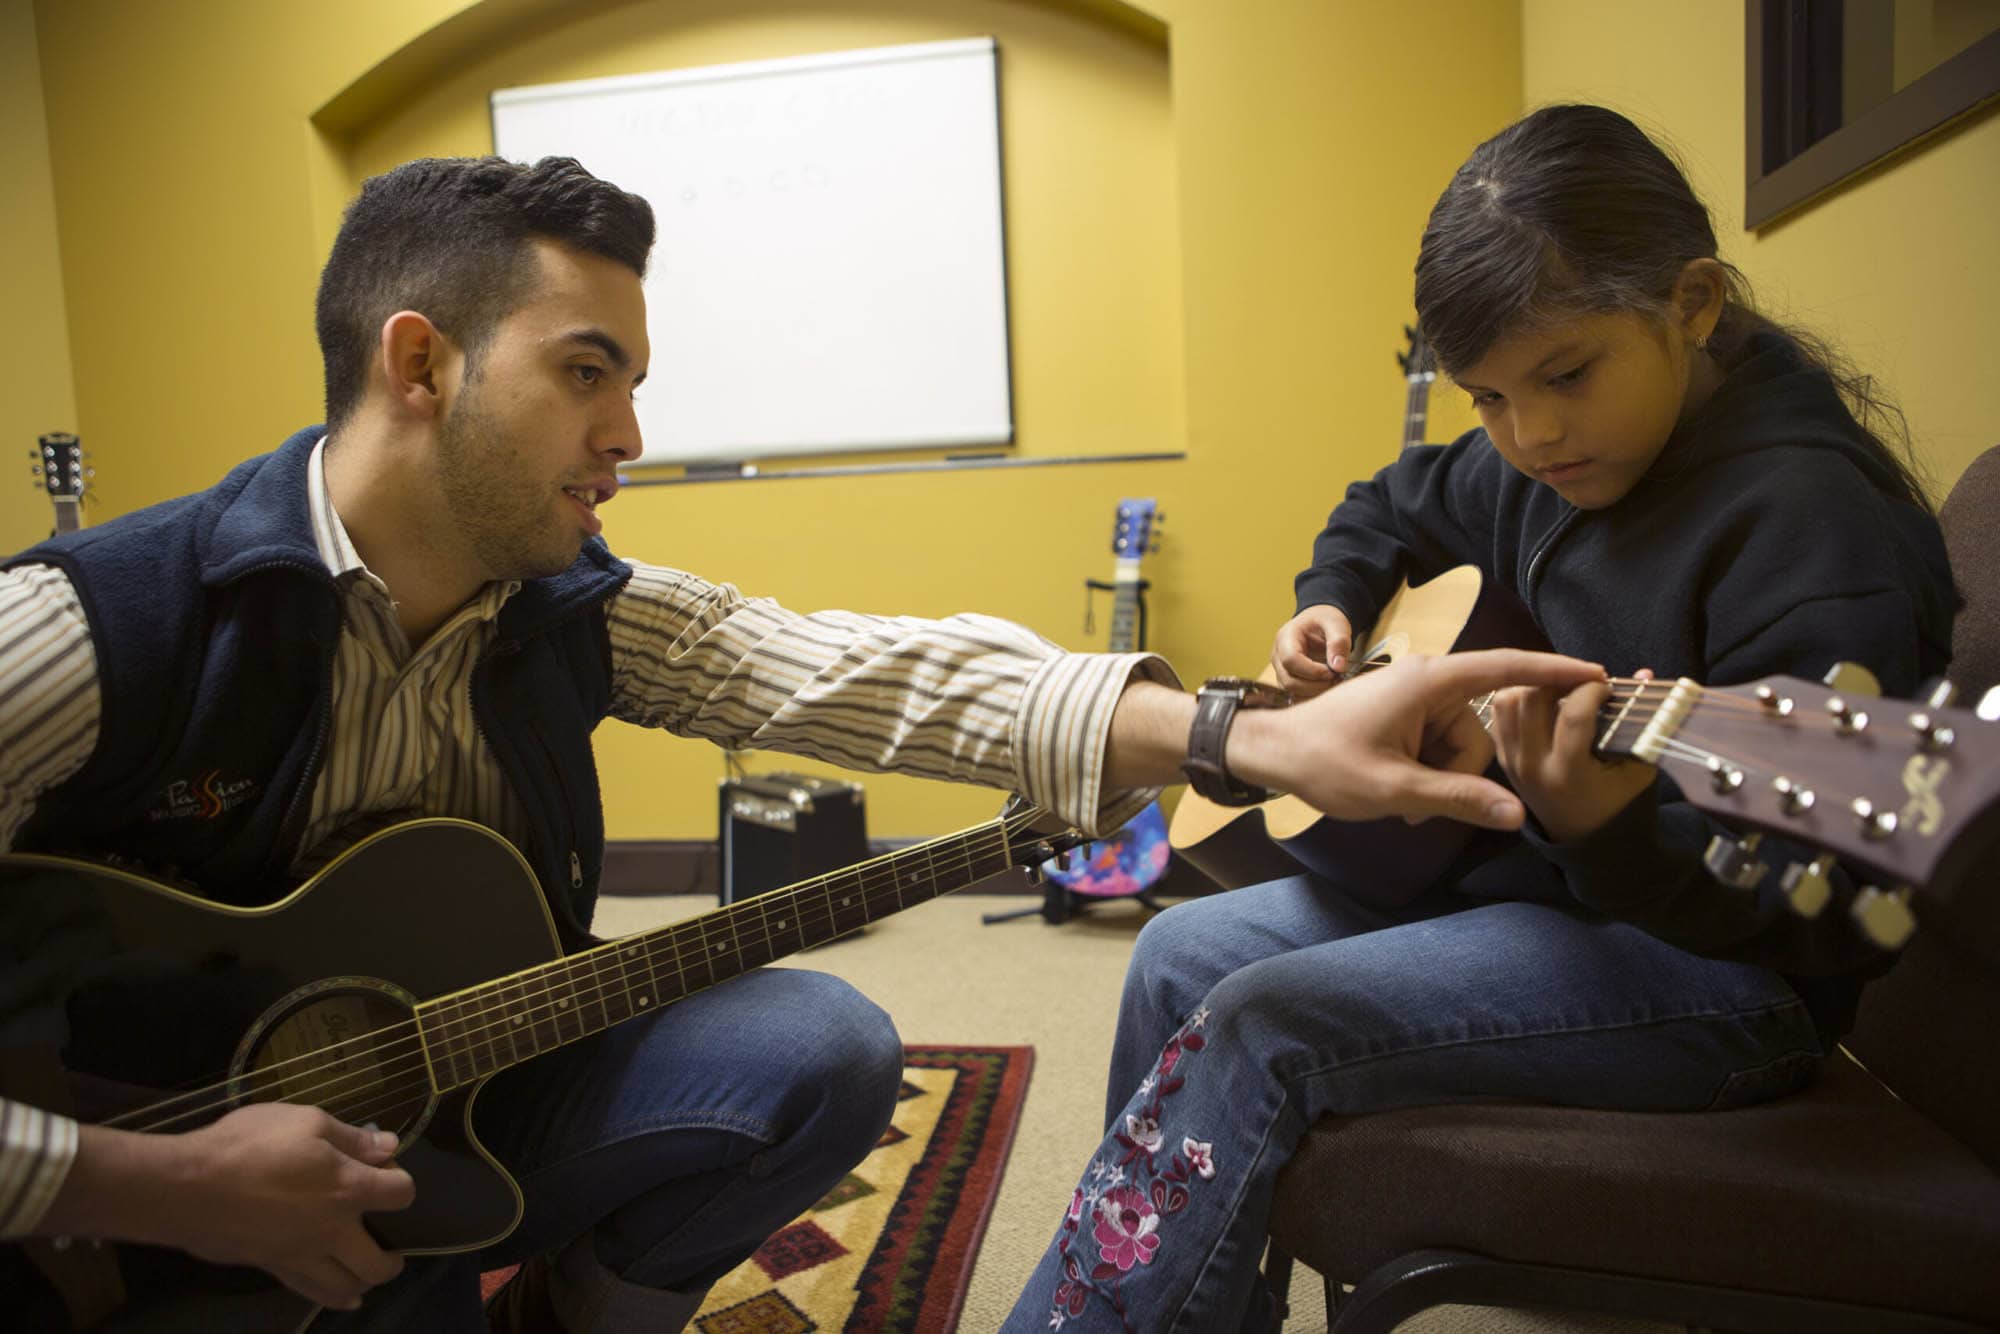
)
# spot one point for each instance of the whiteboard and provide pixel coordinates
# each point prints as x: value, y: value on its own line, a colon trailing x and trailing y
x: 830, y: 270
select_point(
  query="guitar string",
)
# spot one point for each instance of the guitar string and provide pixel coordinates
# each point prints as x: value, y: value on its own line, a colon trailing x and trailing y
x: 619, y: 974
x: 599, y: 961
x: 416, y: 1098
x: 1636, y: 686
x: 584, y: 969
x: 603, y: 957
x: 596, y: 961
x: 607, y: 962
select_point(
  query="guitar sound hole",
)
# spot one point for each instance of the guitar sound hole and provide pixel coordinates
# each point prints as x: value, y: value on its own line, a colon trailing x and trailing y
x: 350, y: 1049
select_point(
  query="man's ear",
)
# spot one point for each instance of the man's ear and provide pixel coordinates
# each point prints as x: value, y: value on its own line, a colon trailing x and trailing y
x: 1699, y: 295
x: 418, y: 363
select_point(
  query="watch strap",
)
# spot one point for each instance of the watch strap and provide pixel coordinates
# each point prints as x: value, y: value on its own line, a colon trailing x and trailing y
x: 1215, y: 709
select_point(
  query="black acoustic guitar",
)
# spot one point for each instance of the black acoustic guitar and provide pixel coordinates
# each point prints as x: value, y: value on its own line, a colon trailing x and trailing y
x: 126, y: 1002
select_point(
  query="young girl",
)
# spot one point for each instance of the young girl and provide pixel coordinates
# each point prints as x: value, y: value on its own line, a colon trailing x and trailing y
x: 1666, y: 480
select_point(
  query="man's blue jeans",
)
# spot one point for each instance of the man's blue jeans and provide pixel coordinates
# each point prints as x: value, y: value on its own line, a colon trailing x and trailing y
x: 1248, y: 1015
x: 678, y: 1142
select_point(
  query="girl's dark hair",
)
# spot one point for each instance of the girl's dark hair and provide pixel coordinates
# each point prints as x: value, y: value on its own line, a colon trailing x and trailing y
x: 1572, y: 211
x: 451, y: 237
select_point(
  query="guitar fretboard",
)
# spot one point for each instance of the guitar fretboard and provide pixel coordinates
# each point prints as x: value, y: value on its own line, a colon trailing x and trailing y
x: 481, y: 1030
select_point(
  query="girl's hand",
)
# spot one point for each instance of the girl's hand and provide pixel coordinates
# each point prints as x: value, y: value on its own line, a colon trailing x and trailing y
x: 1543, y: 736
x: 1311, y: 650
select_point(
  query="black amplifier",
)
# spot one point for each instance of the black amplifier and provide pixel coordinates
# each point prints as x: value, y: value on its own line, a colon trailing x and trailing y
x: 777, y: 829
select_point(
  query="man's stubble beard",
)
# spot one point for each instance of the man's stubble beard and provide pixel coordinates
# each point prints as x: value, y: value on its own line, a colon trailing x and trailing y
x: 500, y: 511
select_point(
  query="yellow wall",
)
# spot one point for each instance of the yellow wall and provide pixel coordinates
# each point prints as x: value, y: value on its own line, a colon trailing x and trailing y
x: 36, y: 392
x: 1898, y: 268
x: 201, y: 152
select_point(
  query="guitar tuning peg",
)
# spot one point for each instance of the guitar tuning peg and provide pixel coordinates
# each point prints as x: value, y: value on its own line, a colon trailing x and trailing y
x: 1807, y: 886
x: 1853, y: 678
x: 1734, y: 862
x: 1989, y: 706
x: 1933, y: 736
x: 1884, y: 915
x: 1938, y: 693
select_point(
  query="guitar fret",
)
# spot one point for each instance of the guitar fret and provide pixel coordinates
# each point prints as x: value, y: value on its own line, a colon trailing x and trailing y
x: 493, y: 1021
x: 698, y: 968
x: 518, y: 1018
x: 593, y: 992
x: 847, y: 902
x: 476, y: 1032
x: 442, y: 1041
x: 464, y: 1063
x: 642, y: 992
x: 562, y: 1003
x: 753, y: 939
x: 1609, y: 736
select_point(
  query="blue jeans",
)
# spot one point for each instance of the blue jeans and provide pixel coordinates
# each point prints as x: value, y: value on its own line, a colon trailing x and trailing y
x: 678, y: 1142
x: 1249, y: 1015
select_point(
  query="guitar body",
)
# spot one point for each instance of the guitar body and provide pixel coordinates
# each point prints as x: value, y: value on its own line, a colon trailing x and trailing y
x: 384, y: 990
x: 117, y: 993
x: 1384, y: 862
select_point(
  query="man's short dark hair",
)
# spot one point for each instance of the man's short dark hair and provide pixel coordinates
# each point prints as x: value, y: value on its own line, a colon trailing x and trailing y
x: 453, y: 239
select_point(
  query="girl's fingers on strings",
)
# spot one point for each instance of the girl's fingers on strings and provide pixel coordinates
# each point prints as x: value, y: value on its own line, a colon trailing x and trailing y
x: 1575, y: 725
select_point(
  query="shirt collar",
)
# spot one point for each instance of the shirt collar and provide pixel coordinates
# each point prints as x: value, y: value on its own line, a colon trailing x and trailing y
x: 336, y: 548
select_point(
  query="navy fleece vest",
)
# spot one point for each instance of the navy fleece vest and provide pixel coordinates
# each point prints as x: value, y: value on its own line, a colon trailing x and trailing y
x: 215, y: 623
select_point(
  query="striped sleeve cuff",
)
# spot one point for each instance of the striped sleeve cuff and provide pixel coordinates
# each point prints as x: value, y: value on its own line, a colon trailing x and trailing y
x: 1063, y: 728
x: 36, y: 1150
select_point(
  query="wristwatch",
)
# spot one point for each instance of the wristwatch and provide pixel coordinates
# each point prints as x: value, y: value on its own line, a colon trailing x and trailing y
x: 1215, y: 709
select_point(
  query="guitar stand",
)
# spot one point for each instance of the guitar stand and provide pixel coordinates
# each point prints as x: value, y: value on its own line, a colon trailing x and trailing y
x: 1060, y: 903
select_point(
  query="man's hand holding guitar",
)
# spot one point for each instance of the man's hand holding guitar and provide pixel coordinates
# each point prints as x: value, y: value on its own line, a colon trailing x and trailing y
x: 1402, y: 741
x: 274, y: 1185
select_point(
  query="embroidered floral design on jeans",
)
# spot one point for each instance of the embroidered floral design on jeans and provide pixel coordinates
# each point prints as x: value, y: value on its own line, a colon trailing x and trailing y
x: 1128, y: 1200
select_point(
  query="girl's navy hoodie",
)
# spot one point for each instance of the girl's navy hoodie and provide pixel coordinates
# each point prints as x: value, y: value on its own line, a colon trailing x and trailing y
x: 1767, y: 538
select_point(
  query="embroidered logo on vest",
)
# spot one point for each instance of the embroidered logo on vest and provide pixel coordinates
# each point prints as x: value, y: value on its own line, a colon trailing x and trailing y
x: 202, y: 798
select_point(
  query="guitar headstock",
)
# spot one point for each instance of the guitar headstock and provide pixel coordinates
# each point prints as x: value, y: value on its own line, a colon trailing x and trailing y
x: 1034, y: 836
x: 1417, y: 362
x: 60, y: 468
x: 1133, y: 528
x: 1907, y: 791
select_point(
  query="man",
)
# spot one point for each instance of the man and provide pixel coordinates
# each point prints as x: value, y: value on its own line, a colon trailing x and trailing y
x: 410, y: 611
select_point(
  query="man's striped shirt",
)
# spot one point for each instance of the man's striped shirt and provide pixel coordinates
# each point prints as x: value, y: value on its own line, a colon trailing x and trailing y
x: 969, y: 698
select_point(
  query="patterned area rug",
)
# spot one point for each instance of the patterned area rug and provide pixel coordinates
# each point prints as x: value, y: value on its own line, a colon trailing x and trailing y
x: 890, y: 1249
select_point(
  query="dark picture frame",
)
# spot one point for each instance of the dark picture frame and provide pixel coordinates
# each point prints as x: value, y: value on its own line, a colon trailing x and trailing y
x: 1796, y: 148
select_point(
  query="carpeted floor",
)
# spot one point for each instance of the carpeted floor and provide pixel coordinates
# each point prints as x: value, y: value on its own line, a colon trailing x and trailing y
x: 946, y: 978
x: 891, y: 1249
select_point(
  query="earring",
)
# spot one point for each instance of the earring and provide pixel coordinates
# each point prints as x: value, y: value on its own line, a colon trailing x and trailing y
x: 1701, y: 342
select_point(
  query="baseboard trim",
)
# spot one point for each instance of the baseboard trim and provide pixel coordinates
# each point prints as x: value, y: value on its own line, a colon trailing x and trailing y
x: 646, y: 866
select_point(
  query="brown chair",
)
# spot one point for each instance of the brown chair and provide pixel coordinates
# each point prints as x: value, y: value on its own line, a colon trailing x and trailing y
x: 1869, y: 1202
